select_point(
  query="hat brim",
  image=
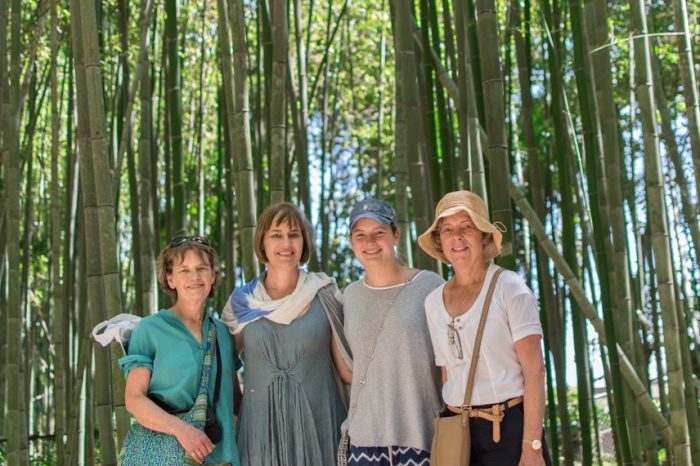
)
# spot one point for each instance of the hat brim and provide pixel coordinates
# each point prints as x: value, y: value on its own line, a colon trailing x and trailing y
x: 372, y: 216
x: 425, y: 241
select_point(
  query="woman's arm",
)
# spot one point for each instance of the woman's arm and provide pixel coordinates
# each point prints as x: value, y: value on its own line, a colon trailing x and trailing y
x: 237, y: 394
x: 151, y: 416
x: 531, y: 361
x: 340, y: 366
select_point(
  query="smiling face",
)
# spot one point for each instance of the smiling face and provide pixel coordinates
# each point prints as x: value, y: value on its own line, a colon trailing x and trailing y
x: 462, y: 242
x: 192, y: 277
x: 283, y: 243
x: 373, y: 242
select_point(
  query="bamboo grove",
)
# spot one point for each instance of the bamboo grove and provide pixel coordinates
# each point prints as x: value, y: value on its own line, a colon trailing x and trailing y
x: 127, y: 122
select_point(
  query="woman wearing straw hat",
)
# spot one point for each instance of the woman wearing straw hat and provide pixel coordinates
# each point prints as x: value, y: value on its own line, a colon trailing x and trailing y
x: 395, y: 385
x: 506, y: 406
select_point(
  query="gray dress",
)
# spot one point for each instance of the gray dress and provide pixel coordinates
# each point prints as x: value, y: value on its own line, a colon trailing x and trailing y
x: 291, y: 410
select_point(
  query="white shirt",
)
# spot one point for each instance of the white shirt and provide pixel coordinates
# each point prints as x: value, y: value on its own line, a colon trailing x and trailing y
x: 513, y: 315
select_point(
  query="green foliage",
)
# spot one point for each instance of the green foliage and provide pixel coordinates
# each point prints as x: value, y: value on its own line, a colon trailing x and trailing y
x: 350, y: 154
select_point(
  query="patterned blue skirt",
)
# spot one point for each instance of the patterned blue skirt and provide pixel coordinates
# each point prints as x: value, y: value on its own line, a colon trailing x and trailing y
x: 380, y: 456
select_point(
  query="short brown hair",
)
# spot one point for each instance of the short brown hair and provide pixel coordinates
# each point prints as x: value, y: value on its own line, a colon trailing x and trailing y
x: 282, y: 212
x: 170, y: 256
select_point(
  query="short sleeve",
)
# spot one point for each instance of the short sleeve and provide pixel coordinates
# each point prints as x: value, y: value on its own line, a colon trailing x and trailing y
x: 133, y: 362
x: 523, y: 313
x: 141, y: 351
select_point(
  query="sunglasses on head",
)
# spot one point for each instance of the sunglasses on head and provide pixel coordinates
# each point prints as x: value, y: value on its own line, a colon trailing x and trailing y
x: 180, y: 240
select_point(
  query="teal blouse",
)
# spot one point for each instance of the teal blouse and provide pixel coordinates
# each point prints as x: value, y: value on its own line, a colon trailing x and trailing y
x: 162, y: 344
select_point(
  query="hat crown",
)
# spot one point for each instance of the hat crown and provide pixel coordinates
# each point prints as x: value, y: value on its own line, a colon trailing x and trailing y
x: 375, y: 209
x: 465, y: 199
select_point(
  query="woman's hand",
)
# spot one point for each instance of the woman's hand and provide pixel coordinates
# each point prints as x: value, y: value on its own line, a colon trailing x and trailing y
x: 531, y: 457
x: 194, y: 441
x: 148, y: 414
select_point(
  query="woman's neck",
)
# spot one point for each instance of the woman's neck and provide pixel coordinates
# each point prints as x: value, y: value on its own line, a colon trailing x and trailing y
x: 280, y: 283
x: 192, y: 311
x: 472, y: 277
x: 387, y: 275
x: 191, y: 315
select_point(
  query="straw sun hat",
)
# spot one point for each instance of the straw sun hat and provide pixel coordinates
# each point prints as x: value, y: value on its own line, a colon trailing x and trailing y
x: 472, y: 204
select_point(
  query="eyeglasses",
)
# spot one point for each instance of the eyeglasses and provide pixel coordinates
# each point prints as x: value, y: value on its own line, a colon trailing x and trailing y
x: 454, y: 340
x: 180, y: 240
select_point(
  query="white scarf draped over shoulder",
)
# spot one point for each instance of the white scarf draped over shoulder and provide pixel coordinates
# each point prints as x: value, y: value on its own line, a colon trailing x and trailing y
x: 251, y: 302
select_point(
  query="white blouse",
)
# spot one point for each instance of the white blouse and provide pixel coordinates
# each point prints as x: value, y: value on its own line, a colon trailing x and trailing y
x: 513, y: 315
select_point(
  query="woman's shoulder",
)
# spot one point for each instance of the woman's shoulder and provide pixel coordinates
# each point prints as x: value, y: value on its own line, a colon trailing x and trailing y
x: 220, y: 325
x: 510, y: 283
x: 152, y: 322
x: 222, y: 333
x: 433, y: 299
x: 249, y: 286
x: 429, y: 278
x: 354, y: 287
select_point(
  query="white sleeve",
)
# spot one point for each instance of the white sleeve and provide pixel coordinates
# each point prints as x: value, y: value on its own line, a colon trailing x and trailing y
x: 521, y: 308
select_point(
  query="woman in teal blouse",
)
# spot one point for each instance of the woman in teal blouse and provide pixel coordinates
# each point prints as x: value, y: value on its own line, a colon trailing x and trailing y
x: 166, y: 350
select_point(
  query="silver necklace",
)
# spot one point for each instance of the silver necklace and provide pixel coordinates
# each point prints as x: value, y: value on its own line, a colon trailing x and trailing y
x: 380, y: 330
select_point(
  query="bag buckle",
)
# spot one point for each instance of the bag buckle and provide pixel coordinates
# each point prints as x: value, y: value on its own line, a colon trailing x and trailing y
x: 466, y: 409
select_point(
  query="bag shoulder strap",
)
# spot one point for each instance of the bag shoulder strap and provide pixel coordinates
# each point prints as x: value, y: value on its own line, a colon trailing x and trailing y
x: 204, y: 378
x: 477, y: 340
x: 219, y: 369
x: 205, y: 373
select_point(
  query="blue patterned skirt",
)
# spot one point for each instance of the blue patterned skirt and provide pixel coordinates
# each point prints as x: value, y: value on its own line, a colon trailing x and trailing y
x: 387, y: 456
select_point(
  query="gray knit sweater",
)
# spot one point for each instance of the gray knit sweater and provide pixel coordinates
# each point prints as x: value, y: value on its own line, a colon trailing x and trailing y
x: 401, y: 393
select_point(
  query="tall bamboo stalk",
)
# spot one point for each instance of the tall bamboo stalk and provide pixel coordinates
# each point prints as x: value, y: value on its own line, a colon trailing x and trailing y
x: 278, y: 99
x: 174, y: 105
x: 145, y: 176
x: 449, y: 176
x: 380, y: 106
x: 681, y: 179
x: 4, y: 137
x: 98, y: 200
x: 690, y: 84
x: 302, y: 105
x: 418, y: 172
x: 566, y: 162
x: 521, y: 33
x: 400, y: 165
x: 620, y: 282
x: 596, y: 21
x: 657, y: 220
x: 247, y: 202
x: 60, y: 336
x: 497, y: 150
x: 15, y: 428
x: 471, y: 162
x: 427, y: 102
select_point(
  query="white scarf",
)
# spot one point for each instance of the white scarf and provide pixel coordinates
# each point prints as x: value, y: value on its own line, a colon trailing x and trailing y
x: 251, y: 301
